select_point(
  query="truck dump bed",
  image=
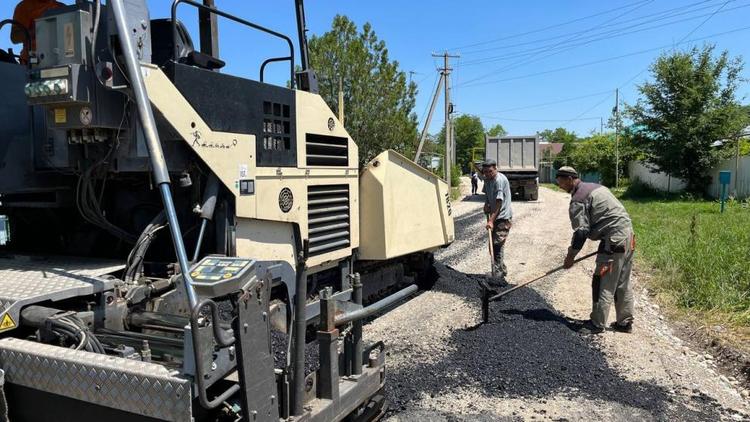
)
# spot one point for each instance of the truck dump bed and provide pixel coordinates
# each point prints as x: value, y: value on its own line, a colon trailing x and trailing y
x: 403, y: 208
x: 514, y: 153
x: 518, y: 159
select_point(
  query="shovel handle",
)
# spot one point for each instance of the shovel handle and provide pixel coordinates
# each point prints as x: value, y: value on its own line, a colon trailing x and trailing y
x: 492, y: 251
x: 552, y: 271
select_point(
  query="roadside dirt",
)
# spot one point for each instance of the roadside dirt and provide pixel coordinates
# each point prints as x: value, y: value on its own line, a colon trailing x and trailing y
x: 528, y: 363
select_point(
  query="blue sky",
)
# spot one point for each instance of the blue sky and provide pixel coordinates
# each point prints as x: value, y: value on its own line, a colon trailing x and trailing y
x: 528, y: 65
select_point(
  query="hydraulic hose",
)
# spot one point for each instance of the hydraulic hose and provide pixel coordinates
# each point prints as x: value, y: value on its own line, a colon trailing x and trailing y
x: 207, y: 210
x: 153, y: 144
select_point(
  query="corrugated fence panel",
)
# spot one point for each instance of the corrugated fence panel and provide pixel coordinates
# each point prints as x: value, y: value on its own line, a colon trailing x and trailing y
x: 739, y: 186
x: 657, y: 180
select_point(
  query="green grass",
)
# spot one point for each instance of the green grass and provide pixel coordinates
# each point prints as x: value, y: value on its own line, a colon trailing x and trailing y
x: 552, y: 186
x: 701, y: 257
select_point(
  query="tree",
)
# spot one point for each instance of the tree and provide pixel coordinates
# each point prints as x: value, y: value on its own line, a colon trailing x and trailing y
x: 379, y: 103
x: 597, y: 154
x: 565, y: 137
x: 560, y: 134
x: 497, y: 130
x: 469, y: 133
x: 689, y: 105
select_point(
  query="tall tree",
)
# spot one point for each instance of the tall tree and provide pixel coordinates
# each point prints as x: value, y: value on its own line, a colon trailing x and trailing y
x: 379, y: 102
x: 469, y: 134
x: 497, y: 130
x: 690, y: 104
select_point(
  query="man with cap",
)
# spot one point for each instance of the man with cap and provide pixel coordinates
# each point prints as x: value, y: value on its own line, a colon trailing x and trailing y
x: 596, y: 214
x: 499, y: 215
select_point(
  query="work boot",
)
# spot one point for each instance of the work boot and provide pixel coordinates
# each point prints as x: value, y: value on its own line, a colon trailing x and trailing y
x: 622, y: 328
x: 486, y: 284
x: 589, y: 328
x: 497, y: 282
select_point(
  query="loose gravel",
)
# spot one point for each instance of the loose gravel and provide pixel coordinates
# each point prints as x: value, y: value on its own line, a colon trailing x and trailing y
x: 528, y: 362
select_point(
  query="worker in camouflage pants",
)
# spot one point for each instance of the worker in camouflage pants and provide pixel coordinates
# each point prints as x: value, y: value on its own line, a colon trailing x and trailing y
x: 597, y: 215
x: 499, y: 215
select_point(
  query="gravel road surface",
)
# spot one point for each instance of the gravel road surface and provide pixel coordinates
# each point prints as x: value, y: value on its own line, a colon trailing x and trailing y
x: 528, y: 362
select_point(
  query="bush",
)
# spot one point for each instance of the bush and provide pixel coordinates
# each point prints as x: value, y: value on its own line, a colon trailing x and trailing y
x: 456, y: 175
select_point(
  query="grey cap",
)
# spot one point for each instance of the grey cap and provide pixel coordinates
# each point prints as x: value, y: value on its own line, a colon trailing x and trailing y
x: 489, y: 163
x: 567, y: 171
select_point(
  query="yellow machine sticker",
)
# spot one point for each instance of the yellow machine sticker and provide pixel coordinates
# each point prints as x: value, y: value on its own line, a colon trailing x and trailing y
x: 61, y: 115
x: 7, y: 323
x: 69, y: 34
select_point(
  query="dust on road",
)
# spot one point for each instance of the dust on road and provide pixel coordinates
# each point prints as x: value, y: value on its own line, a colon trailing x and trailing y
x: 528, y: 362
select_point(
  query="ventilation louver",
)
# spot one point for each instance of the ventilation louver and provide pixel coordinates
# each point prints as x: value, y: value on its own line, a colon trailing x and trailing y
x: 328, y: 214
x: 325, y: 150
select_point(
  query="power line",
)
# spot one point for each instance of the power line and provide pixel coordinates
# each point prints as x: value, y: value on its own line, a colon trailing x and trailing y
x: 669, y: 13
x: 564, y: 100
x: 639, y: 5
x: 534, y: 120
x: 608, y: 59
x: 546, y: 27
x: 707, y: 19
x: 645, y: 69
x: 580, y: 116
x: 615, y: 34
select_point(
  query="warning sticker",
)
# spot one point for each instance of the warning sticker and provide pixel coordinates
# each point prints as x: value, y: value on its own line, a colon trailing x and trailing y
x: 70, y: 45
x: 7, y: 323
x: 61, y: 115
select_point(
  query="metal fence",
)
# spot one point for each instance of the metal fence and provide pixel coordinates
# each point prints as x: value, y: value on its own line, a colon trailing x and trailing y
x: 739, y: 186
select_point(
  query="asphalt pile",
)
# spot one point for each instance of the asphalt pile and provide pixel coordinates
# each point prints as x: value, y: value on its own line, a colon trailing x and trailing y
x: 526, y: 351
x: 279, y: 345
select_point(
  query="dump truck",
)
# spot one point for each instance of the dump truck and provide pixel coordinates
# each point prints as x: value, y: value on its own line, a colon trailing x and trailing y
x: 518, y: 159
x: 190, y: 245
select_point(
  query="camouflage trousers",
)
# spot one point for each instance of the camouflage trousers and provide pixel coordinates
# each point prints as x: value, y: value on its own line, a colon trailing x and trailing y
x: 500, y: 232
x: 611, y: 283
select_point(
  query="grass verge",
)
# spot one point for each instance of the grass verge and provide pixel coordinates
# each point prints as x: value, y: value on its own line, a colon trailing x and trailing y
x: 552, y: 186
x: 702, y: 257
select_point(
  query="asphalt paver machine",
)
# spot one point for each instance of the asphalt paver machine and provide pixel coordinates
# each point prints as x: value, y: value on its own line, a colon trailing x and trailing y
x: 187, y: 245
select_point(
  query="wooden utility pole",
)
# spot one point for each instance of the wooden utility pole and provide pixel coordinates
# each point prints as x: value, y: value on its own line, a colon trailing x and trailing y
x: 429, y: 119
x: 341, y: 101
x: 445, y: 72
x: 617, y: 140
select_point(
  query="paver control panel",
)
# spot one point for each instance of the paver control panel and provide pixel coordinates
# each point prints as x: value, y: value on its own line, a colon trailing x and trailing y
x: 215, y: 276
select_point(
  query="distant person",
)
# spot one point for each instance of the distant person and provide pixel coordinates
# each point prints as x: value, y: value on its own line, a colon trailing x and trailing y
x: 27, y: 11
x: 499, y: 215
x: 597, y: 215
x: 474, y: 182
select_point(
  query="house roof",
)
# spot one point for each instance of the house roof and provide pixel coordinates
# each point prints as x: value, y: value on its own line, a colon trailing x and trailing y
x: 553, y: 147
